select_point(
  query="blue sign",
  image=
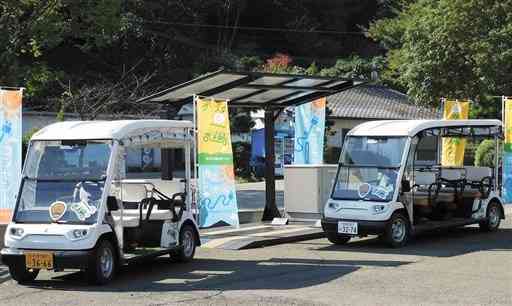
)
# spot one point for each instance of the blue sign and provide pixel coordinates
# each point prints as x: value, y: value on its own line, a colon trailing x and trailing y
x: 309, y: 133
x: 10, y: 150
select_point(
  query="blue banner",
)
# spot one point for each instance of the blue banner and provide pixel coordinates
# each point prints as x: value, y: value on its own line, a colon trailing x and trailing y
x: 10, y: 150
x: 507, y: 151
x: 309, y: 133
x: 507, y: 177
x: 217, y: 200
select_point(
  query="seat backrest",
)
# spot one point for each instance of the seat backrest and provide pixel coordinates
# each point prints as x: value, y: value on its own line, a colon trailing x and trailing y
x: 476, y: 174
x: 452, y: 174
x: 424, y: 178
x: 137, y: 192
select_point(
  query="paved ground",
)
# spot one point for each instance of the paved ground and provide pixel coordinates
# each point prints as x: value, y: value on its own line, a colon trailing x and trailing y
x: 458, y: 267
x: 251, y: 196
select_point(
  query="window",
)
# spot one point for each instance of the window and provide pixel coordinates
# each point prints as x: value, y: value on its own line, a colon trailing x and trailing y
x: 426, y: 153
x: 143, y: 163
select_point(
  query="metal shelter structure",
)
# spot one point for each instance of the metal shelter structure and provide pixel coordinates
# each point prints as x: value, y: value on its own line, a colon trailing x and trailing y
x: 269, y: 91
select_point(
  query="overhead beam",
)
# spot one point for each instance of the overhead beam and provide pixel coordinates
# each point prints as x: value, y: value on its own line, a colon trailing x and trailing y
x: 291, y: 87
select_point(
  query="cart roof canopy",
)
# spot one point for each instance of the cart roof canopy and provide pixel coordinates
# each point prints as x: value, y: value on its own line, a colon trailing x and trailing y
x: 474, y: 127
x: 253, y: 89
x: 116, y: 130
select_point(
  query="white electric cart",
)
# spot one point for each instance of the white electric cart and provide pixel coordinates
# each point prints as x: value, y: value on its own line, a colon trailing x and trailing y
x: 77, y: 209
x: 391, y: 182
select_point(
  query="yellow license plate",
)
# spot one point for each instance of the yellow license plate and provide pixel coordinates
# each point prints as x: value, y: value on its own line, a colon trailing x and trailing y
x: 39, y: 260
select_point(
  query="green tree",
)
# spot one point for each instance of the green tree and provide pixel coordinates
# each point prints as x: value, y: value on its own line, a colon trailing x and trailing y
x: 451, y: 48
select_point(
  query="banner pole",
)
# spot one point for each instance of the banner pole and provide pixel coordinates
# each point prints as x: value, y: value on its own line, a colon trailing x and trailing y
x: 440, y: 141
x: 194, y: 143
x: 503, y: 132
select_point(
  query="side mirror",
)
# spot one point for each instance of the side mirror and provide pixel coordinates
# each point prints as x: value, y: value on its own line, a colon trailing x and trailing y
x: 406, y: 186
x: 112, y: 203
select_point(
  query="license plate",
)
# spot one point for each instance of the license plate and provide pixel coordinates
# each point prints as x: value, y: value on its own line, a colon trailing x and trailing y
x: 347, y: 228
x: 39, y: 260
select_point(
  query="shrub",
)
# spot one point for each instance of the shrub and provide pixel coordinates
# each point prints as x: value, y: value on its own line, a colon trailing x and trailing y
x: 484, y: 155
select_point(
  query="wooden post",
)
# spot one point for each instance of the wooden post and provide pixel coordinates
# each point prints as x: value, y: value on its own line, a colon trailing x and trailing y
x: 271, y: 210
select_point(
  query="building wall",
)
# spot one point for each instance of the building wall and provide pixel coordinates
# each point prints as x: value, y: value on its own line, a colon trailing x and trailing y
x: 339, y: 129
x: 36, y: 120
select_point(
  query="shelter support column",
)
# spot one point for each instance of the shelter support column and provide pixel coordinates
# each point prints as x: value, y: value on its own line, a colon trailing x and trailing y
x: 271, y: 210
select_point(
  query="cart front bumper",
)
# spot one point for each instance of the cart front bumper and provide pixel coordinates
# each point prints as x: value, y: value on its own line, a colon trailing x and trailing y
x: 330, y: 225
x: 68, y: 259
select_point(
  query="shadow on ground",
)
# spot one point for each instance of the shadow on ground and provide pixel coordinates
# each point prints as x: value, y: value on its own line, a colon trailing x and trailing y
x: 215, y: 274
x: 255, y: 199
x: 441, y: 243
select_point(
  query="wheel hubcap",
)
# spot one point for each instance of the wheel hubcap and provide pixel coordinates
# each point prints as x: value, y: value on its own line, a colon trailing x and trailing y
x: 398, y: 230
x: 188, y: 243
x: 106, y: 262
x: 494, y: 217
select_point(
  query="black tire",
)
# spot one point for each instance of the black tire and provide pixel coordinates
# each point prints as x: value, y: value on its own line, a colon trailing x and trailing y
x: 187, y: 246
x: 492, y: 219
x: 337, y: 238
x: 398, y: 230
x: 21, y: 274
x: 103, y: 264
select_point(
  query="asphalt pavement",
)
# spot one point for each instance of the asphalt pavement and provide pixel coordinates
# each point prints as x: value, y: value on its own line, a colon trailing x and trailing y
x: 456, y: 267
x: 251, y: 196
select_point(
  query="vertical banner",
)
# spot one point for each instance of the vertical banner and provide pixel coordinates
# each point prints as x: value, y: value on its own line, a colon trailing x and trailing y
x: 309, y: 133
x: 453, y: 147
x: 217, y: 194
x: 10, y: 150
x: 507, y: 150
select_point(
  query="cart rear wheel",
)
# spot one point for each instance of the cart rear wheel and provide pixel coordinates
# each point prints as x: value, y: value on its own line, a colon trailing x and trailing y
x: 21, y: 274
x: 187, y: 245
x: 338, y: 239
x: 103, y: 265
x: 493, y: 218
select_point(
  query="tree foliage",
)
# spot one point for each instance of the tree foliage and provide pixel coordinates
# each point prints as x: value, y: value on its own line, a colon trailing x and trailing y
x: 450, y: 48
x: 87, y: 44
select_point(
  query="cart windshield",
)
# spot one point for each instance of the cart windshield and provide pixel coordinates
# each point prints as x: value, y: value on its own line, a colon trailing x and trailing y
x: 368, y: 168
x: 63, y: 182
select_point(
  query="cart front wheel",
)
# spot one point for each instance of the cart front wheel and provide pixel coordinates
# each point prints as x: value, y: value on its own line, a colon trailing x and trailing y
x: 21, y: 274
x: 397, y: 230
x: 102, y: 267
x: 188, y: 244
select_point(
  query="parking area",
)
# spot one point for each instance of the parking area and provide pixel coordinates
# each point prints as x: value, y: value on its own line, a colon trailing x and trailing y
x: 455, y: 267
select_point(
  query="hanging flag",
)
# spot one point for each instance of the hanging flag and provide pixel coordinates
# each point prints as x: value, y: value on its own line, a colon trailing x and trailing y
x: 309, y: 133
x: 453, y: 147
x: 507, y: 150
x: 216, y: 178
x: 10, y: 150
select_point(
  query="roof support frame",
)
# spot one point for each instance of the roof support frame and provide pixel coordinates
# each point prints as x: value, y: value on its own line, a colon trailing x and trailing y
x: 275, y: 100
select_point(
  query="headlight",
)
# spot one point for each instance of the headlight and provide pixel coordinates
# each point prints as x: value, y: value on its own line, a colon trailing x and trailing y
x: 16, y: 232
x: 79, y: 233
x: 378, y: 209
x: 334, y: 205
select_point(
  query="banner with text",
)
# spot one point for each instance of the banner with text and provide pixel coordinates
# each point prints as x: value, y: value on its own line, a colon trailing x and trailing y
x: 507, y: 151
x: 453, y: 147
x: 10, y: 150
x: 216, y: 181
x: 309, y: 133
